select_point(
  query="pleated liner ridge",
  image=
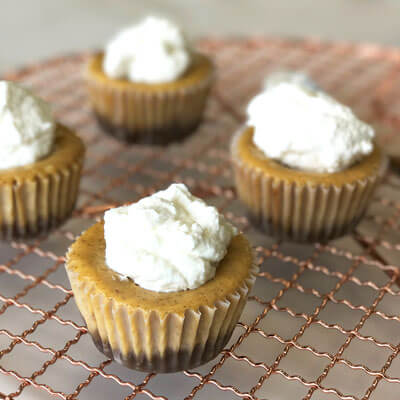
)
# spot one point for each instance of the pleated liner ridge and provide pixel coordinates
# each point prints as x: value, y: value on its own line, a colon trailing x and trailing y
x: 149, y: 341
x: 141, y: 116
x: 33, y: 206
x: 302, y: 213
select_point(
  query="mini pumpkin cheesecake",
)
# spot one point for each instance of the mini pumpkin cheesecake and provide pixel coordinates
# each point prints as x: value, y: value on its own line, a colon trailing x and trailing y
x: 300, y: 206
x: 158, y: 315
x: 40, y: 165
x: 315, y: 200
x: 148, y: 86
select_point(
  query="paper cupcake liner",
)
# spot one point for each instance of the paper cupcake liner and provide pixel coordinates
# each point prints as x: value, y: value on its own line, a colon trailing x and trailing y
x: 149, y: 341
x: 153, y: 117
x: 302, y: 212
x: 35, y: 205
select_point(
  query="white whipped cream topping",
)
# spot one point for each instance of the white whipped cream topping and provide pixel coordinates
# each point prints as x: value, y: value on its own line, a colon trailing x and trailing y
x: 296, y: 77
x: 167, y: 242
x: 154, y: 51
x: 26, y: 126
x: 307, y: 129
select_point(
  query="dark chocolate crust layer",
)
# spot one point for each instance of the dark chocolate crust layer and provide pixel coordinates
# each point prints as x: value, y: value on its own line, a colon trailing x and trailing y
x: 170, y: 361
x: 42, y: 227
x: 161, y: 136
x: 270, y: 229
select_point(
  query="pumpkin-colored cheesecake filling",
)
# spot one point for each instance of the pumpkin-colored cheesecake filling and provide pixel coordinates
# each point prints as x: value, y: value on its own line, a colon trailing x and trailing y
x: 199, y: 69
x: 160, y: 329
x: 67, y: 149
x: 87, y: 261
x: 250, y: 154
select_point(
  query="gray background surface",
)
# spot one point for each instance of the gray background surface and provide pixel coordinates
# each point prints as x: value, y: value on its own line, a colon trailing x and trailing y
x: 31, y: 30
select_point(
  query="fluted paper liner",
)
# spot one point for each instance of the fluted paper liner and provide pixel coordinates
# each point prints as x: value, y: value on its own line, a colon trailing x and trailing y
x: 135, y: 112
x: 37, y: 198
x: 302, y: 211
x: 150, y: 340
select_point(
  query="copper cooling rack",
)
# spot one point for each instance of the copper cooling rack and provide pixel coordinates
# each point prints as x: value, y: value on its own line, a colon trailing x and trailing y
x: 323, y: 321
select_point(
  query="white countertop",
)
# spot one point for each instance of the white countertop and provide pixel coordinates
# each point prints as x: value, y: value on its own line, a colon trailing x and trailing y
x: 33, y: 30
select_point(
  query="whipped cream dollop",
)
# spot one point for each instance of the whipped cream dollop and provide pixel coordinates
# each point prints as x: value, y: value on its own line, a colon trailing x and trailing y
x: 296, y: 77
x: 153, y: 51
x: 167, y: 242
x: 308, y: 129
x: 26, y: 126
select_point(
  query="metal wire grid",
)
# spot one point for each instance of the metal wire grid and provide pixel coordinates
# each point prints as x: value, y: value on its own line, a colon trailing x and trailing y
x: 323, y: 320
